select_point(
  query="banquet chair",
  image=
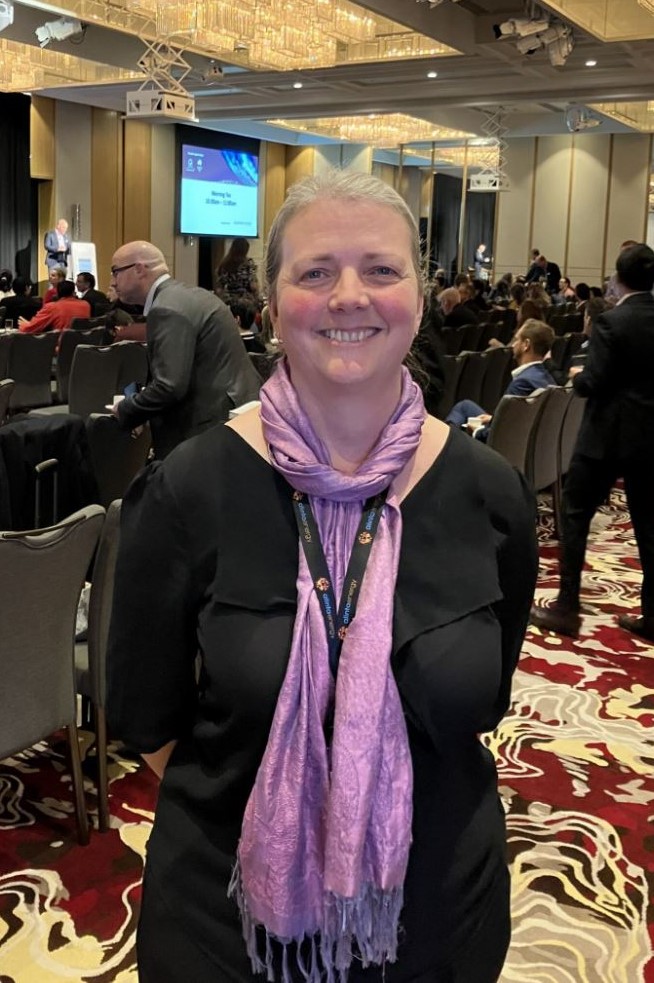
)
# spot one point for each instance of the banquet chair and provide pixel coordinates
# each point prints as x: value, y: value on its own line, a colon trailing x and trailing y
x: 544, y: 466
x: 91, y: 655
x: 42, y: 572
x: 30, y: 366
x: 69, y: 341
x: 6, y: 389
x: 99, y: 373
x: 452, y: 368
x: 512, y: 427
x: 472, y: 377
x: 570, y: 431
x: 496, y: 377
x: 452, y: 339
x: 116, y: 455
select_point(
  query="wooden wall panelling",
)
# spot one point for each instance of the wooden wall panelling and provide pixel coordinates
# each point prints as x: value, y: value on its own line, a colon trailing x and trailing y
x: 106, y: 188
x: 274, y: 182
x: 42, y: 138
x: 299, y: 164
x: 137, y: 179
x: 552, y: 196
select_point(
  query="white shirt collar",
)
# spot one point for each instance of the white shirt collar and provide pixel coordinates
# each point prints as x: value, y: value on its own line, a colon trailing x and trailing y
x: 151, y: 292
x: 521, y: 368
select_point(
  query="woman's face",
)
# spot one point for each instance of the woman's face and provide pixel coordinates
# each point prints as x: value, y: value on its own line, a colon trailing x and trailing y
x: 347, y: 302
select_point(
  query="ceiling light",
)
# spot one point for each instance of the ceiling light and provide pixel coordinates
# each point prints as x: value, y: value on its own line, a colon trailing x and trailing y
x: 298, y: 85
x: 591, y: 63
x: 432, y: 75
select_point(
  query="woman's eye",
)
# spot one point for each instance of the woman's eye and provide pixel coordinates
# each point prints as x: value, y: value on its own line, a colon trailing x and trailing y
x: 384, y: 271
x: 313, y: 275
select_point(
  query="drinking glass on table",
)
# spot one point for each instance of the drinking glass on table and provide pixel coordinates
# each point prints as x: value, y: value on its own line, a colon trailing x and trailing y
x: 9, y: 324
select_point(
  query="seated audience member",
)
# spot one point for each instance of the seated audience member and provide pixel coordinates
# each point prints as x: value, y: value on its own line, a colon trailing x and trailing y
x: 6, y: 289
x: 22, y: 304
x: 582, y: 293
x: 478, y: 300
x: 236, y: 276
x: 517, y: 293
x: 613, y: 290
x: 440, y: 282
x: 454, y: 311
x: 530, y: 310
x: 531, y: 344
x: 57, y: 314
x: 244, y: 313
x: 97, y: 301
x: 501, y: 292
x: 56, y: 275
x: 597, y: 293
x: 566, y: 291
x: 460, y: 279
x: 537, y: 293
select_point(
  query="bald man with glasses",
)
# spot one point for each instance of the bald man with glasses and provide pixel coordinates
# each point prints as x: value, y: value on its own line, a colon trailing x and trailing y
x: 199, y: 369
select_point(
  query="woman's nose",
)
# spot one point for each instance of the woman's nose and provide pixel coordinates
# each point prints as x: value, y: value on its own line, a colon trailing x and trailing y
x: 349, y: 291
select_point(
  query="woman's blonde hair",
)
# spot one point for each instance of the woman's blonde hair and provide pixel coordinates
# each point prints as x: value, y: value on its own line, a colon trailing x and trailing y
x: 341, y: 186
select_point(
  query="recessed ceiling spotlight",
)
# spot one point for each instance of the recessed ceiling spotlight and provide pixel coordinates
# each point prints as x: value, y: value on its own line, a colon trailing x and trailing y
x: 432, y: 75
x: 591, y: 63
x: 298, y: 85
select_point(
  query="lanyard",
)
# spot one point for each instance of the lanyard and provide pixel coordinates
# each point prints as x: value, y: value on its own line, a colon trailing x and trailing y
x: 337, y: 621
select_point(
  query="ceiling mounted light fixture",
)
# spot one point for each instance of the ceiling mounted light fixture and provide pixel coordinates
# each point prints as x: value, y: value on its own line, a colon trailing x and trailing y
x: 6, y: 15
x: 58, y: 30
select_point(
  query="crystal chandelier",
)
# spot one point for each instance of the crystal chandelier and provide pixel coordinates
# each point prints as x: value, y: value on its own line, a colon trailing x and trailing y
x: 648, y: 5
x: 385, y: 130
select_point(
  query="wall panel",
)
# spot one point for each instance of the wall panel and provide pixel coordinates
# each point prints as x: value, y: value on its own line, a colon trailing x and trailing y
x: 137, y: 179
x: 106, y: 188
x: 42, y: 138
x: 587, y: 221
x: 629, y: 182
x: 273, y: 183
x: 552, y: 196
x: 514, y: 209
x: 299, y: 164
x: 73, y: 164
x: 162, y: 191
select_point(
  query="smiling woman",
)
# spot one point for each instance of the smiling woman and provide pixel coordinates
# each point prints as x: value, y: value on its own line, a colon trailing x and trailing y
x: 357, y: 579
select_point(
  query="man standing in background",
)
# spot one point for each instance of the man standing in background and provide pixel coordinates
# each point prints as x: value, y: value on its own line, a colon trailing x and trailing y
x: 57, y: 245
x: 198, y: 364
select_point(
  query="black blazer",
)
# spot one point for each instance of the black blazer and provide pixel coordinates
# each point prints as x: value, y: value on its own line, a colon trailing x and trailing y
x: 98, y: 301
x: 618, y: 380
x: 198, y: 366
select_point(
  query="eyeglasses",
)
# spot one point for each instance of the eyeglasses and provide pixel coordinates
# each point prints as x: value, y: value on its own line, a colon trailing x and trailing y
x: 115, y: 270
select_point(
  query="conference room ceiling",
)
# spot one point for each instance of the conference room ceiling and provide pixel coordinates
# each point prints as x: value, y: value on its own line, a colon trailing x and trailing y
x: 486, y: 74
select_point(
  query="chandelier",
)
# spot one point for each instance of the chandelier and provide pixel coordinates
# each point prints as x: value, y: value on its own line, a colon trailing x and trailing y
x: 385, y: 130
x: 23, y: 67
x: 285, y: 35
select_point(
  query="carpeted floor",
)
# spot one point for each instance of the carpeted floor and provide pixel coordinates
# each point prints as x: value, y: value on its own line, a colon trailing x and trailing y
x: 576, y: 763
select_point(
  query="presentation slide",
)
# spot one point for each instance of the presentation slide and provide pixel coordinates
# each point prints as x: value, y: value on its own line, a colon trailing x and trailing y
x: 219, y: 192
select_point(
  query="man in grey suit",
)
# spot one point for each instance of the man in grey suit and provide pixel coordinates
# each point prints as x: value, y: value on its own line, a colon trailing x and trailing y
x: 199, y: 368
x: 57, y: 245
x: 616, y: 439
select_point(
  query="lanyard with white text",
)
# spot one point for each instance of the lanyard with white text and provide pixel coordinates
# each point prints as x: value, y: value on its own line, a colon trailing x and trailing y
x: 336, y: 623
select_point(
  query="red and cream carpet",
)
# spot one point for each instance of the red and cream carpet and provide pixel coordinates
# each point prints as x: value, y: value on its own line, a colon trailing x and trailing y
x: 576, y: 765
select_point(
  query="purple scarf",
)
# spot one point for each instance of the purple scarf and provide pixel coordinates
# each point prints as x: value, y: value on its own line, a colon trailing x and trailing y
x: 325, y: 844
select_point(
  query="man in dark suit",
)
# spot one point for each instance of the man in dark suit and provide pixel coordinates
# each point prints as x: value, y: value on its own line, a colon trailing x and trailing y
x: 455, y: 313
x: 616, y: 439
x: 198, y: 364
x: 85, y: 284
x: 542, y: 269
x: 57, y: 245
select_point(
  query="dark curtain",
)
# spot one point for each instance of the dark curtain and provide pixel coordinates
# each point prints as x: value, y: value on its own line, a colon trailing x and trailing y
x: 446, y: 211
x: 479, y: 225
x: 15, y: 184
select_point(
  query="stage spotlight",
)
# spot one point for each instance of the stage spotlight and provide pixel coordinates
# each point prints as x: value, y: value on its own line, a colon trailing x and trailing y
x: 520, y: 27
x: 58, y: 30
x: 6, y: 15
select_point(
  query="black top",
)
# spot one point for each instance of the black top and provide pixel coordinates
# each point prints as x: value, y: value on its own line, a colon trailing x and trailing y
x: 208, y: 562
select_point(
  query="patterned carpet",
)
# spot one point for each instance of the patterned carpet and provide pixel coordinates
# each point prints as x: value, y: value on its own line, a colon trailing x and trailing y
x: 576, y: 762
